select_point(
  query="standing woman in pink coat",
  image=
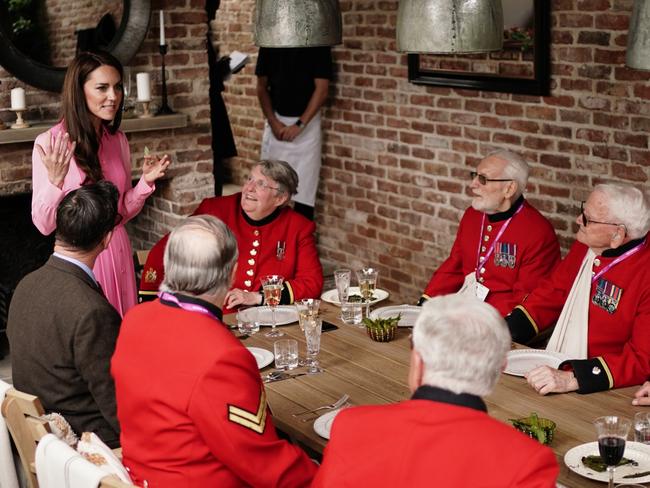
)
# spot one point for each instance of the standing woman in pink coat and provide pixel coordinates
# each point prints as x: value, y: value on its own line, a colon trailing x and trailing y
x: 84, y: 147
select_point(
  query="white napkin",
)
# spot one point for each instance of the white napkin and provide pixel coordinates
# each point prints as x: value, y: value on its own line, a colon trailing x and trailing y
x: 572, y: 328
x: 93, y: 448
x: 60, y: 466
x: 8, y: 478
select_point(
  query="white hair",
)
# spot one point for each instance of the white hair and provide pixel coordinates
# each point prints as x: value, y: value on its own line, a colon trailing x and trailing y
x: 200, y: 256
x: 627, y: 205
x: 463, y: 343
x: 516, y: 168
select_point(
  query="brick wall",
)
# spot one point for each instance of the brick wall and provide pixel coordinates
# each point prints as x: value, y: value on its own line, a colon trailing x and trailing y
x: 396, y: 155
x: 187, y: 84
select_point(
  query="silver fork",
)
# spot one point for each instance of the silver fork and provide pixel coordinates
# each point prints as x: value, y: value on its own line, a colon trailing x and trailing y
x: 338, y: 403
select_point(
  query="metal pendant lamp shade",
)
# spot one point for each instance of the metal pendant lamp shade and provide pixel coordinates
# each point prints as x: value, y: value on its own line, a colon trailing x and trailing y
x: 449, y: 26
x: 638, y: 38
x: 297, y: 23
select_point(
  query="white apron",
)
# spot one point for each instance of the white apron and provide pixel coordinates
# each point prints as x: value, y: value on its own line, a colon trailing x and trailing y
x: 303, y: 154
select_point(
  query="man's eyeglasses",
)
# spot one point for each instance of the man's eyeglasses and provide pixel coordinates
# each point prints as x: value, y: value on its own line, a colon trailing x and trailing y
x: 261, y: 184
x: 482, y: 179
x: 586, y: 221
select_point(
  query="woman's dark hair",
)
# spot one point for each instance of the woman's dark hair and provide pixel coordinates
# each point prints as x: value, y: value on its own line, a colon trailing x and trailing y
x: 76, y: 116
x: 86, y: 215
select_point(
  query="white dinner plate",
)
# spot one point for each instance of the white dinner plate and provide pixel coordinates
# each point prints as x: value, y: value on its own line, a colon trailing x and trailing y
x: 284, y: 314
x: 633, y: 450
x: 521, y: 361
x: 408, y: 314
x: 262, y: 356
x: 323, y: 424
x: 332, y: 296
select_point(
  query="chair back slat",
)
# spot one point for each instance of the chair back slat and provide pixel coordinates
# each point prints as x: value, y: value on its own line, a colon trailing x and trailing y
x: 21, y: 412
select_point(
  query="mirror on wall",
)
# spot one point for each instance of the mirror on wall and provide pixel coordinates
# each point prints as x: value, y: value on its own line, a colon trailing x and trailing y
x: 522, y: 66
x: 39, y: 38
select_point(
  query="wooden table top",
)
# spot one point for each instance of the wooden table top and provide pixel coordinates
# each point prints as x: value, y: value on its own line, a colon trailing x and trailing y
x: 376, y: 373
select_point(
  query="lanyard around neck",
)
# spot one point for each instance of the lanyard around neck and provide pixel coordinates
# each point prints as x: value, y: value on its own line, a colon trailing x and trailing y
x: 190, y: 307
x: 494, y: 242
x: 622, y: 257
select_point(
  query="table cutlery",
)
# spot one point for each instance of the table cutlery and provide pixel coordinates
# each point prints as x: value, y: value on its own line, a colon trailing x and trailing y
x: 338, y: 403
x: 281, y: 375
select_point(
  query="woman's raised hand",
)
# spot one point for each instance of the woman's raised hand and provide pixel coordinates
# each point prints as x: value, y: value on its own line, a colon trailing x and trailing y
x: 154, y: 168
x: 57, y: 158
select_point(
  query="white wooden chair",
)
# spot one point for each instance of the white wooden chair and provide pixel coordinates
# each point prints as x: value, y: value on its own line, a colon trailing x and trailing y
x: 22, y: 413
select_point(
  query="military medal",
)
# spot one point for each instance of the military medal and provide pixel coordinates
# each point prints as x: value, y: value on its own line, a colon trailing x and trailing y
x: 505, y: 255
x: 607, y: 296
x: 279, y: 250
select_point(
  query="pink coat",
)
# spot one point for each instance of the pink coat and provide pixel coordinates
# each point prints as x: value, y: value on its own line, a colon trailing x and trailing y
x: 114, y: 266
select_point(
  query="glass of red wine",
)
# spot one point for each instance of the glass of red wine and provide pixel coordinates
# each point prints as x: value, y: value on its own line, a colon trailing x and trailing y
x: 612, y: 433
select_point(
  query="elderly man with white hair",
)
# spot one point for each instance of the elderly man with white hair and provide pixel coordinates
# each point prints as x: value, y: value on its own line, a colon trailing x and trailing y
x: 191, y: 402
x: 443, y: 435
x: 503, y: 246
x: 599, y: 296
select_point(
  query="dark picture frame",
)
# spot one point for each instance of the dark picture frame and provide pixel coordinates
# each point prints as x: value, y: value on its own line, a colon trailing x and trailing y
x: 539, y: 84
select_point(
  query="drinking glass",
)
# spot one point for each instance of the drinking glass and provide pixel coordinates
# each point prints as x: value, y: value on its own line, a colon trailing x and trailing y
x: 642, y: 427
x: 272, y: 288
x: 313, y: 329
x: 248, y: 321
x: 351, y: 312
x: 342, y: 279
x: 612, y: 433
x: 286, y: 354
x: 367, y: 281
x: 307, y: 308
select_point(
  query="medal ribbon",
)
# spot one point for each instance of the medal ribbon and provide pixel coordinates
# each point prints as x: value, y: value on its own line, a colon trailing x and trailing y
x: 190, y: 307
x: 623, y: 257
x: 496, y: 239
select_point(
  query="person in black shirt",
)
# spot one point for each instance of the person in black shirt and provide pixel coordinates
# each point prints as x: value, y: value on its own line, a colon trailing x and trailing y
x: 292, y: 85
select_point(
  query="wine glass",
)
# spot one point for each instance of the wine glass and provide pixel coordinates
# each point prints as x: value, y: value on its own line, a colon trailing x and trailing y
x: 272, y: 288
x: 367, y: 277
x: 612, y: 432
x: 313, y: 328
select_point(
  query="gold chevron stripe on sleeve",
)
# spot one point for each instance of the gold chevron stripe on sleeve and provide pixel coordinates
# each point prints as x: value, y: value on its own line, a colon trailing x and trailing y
x: 255, y: 422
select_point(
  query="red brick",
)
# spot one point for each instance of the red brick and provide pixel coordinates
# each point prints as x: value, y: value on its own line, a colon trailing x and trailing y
x: 626, y: 172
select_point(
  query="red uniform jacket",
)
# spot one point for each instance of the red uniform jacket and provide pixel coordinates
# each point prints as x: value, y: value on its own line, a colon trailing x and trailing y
x: 258, y: 250
x: 192, y: 406
x: 425, y: 443
x: 526, y: 252
x: 618, y: 339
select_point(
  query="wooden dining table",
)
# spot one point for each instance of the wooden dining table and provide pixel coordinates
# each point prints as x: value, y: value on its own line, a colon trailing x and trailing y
x: 376, y: 373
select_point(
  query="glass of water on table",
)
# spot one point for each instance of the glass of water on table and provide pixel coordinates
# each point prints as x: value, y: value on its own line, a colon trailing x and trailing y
x: 642, y: 427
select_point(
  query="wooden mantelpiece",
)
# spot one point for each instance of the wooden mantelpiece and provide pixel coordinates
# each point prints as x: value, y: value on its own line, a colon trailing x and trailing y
x: 160, y: 122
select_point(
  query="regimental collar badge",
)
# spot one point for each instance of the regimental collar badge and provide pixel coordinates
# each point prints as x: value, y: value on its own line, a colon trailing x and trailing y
x: 607, y: 296
x: 505, y: 255
x: 150, y: 276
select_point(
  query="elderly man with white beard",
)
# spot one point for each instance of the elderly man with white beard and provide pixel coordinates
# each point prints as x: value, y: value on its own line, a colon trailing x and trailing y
x: 503, y: 246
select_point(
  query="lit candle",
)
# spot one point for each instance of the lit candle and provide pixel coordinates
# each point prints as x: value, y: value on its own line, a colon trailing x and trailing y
x: 144, y: 87
x: 162, y: 29
x: 18, y: 99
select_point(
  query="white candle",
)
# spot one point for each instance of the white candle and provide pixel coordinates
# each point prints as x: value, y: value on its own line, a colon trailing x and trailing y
x: 144, y: 87
x: 162, y: 29
x: 18, y: 99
